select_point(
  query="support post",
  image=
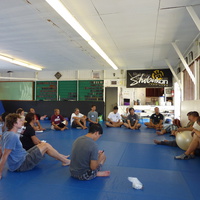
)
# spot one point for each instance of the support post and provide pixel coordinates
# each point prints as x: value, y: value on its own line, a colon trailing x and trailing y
x: 184, y: 62
x: 194, y: 16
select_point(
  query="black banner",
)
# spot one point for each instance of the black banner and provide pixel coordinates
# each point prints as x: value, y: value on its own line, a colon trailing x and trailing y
x: 149, y: 78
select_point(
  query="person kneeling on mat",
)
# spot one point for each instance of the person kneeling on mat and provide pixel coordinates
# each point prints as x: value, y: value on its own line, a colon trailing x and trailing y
x: 17, y: 158
x: 132, y: 120
x: 86, y: 160
x: 58, y: 121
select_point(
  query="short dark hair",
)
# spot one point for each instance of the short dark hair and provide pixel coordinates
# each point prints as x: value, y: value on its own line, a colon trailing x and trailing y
x: 11, y: 119
x: 115, y: 108
x: 195, y: 114
x: 131, y: 109
x: 189, y: 113
x: 29, y: 117
x: 19, y: 110
x: 93, y: 106
x: 96, y: 128
x: 3, y: 116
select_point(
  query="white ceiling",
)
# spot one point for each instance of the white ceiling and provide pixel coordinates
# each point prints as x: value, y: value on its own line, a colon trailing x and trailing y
x: 135, y: 34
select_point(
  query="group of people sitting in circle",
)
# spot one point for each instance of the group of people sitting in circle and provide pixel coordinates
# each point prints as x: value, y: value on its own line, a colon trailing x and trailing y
x: 193, y: 125
x: 131, y: 120
x: 23, y: 150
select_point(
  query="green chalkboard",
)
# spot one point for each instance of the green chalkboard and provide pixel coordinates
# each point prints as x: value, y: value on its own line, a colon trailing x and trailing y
x: 91, y: 90
x: 46, y: 90
x: 67, y: 90
x: 15, y: 90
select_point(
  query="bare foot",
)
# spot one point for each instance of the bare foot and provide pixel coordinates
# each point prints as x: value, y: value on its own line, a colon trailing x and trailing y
x: 159, y: 133
x: 103, y: 173
x: 64, y: 128
x: 157, y: 141
x: 84, y: 127
x: 66, y: 163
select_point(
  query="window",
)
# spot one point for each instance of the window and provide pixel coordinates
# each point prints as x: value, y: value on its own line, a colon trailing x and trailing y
x: 188, y: 85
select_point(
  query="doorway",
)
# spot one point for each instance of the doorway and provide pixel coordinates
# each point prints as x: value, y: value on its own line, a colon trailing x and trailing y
x: 111, y: 99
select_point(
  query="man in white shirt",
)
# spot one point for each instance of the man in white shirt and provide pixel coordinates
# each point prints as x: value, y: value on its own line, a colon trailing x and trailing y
x: 114, y: 118
x: 78, y: 120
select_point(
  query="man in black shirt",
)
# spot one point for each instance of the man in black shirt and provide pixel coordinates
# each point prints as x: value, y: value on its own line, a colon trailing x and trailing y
x: 132, y: 120
x: 156, y: 120
x: 28, y: 138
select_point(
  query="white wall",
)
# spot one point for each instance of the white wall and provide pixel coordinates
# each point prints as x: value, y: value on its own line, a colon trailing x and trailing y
x: 187, y: 106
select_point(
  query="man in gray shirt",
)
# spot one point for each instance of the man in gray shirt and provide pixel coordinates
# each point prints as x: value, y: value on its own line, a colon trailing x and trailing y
x: 86, y: 159
x: 132, y: 120
x: 93, y: 116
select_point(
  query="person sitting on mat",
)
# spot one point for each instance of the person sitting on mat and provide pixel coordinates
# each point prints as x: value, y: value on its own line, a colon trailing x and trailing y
x: 192, y: 117
x: 114, y: 118
x: 132, y: 120
x: 194, y: 145
x: 20, y: 112
x: 156, y: 120
x: 37, y: 126
x: 93, y: 116
x: 38, y: 117
x: 58, y: 122
x: 170, y: 128
x: 78, y: 120
x: 86, y: 159
x: 28, y: 138
x: 176, y: 126
x: 125, y: 115
x: 16, y: 157
x: 2, y: 128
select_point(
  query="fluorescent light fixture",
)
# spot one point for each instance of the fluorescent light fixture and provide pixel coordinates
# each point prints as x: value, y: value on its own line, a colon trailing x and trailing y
x: 20, y: 63
x: 17, y: 78
x: 6, y: 58
x: 67, y: 16
x: 97, y: 48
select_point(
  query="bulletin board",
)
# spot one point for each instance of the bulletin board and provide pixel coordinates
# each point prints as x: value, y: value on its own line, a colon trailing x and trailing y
x: 16, y: 90
x: 46, y: 90
x: 91, y: 90
x: 67, y: 90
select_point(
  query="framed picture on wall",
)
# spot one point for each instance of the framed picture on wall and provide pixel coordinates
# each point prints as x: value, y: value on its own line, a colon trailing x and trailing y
x: 96, y: 75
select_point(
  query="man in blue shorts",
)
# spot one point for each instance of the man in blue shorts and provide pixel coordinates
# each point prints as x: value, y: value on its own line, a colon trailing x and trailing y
x: 17, y: 158
x: 86, y: 159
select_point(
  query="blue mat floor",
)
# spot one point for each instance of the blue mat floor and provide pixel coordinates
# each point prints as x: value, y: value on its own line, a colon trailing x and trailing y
x: 129, y: 153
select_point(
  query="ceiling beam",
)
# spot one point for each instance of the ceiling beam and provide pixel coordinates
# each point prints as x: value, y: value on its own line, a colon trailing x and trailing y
x: 194, y: 16
x: 174, y: 74
x: 184, y: 62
